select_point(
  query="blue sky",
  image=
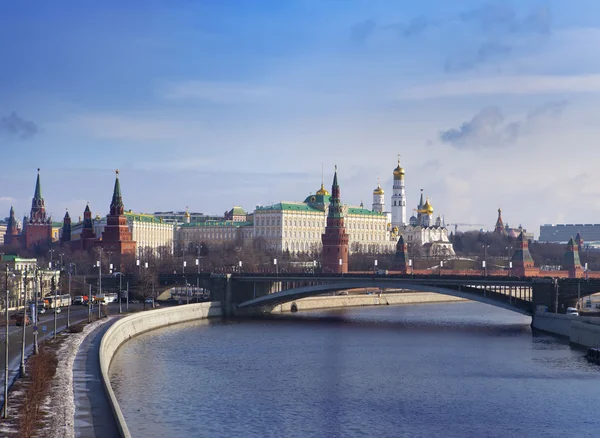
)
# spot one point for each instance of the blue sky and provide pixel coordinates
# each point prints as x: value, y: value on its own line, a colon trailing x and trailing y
x: 214, y: 103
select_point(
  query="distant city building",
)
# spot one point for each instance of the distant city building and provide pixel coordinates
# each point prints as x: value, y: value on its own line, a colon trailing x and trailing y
x: 562, y: 233
x: 3, y: 226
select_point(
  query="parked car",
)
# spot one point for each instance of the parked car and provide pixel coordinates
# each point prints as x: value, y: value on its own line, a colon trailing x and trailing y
x: 572, y: 311
x: 19, y: 319
x: 78, y: 299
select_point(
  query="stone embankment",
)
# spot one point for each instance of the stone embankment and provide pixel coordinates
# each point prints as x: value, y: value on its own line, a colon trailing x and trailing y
x: 327, y: 302
x: 581, y: 330
x: 130, y: 326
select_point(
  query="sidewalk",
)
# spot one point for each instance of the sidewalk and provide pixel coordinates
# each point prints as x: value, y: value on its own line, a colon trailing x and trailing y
x: 93, y: 413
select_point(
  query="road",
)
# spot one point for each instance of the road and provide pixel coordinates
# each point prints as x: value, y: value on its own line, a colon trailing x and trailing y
x: 78, y: 314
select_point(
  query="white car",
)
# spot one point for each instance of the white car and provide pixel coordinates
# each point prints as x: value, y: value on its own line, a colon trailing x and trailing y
x: 572, y: 311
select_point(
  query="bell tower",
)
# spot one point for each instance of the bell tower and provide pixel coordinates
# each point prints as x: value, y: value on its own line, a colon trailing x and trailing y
x: 399, y: 198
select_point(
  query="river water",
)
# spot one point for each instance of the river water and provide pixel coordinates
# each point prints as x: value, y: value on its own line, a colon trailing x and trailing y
x: 447, y: 370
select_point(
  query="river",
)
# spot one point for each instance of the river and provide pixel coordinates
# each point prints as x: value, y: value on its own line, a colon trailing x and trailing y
x: 451, y: 370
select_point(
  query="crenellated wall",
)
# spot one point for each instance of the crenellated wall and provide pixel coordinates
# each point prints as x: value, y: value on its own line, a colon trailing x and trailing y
x: 133, y: 325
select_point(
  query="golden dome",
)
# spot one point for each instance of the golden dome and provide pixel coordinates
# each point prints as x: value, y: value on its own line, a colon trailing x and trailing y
x: 322, y: 191
x: 398, y: 171
x: 378, y: 190
x: 427, y: 208
x: 187, y: 213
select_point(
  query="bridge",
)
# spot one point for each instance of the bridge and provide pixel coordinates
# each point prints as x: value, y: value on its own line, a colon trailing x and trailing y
x: 265, y: 290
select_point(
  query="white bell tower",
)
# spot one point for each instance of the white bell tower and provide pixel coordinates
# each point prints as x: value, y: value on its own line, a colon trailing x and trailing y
x: 378, y: 198
x: 399, y: 198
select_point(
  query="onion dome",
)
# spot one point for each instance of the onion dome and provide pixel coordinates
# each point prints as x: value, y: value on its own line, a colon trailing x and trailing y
x: 378, y: 190
x: 322, y: 191
x: 398, y: 171
x: 427, y: 208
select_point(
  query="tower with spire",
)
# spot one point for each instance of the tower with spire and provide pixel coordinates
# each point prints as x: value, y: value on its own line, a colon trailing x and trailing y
x: 522, y: 261
x: 116, y: 236
x: 401, y: 257
x: 398, y: 198
x: 378, y: 198
x: 39, y: 227
x: 335, y: 239
x: 500, y: 228
x: 571, y: 261
x: 66, y: 229
x: 11, y: 237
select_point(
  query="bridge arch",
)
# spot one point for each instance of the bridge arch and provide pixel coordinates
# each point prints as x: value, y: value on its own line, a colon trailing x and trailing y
x: 470, y: 293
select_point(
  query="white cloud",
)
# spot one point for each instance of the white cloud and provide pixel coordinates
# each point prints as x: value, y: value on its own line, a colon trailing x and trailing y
x: 7, y: 199
x: 503, y: 85
x: 216, y: 92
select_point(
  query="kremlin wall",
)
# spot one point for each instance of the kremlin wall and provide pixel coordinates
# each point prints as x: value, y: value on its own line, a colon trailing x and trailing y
x: 322, y: 224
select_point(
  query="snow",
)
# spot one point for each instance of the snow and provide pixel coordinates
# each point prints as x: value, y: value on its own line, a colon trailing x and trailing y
x: 60, y: 401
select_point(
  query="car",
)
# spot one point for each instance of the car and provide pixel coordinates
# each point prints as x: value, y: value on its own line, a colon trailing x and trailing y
x: 19, y: 319
x: 572, y: 311
x: 78, y: 299
x: 148, y: 301
x: 41, y: 309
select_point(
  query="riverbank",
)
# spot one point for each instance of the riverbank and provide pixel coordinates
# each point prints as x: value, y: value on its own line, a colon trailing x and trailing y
x: 580, y: 330
x: 387, y: 299
x: 131, y: 326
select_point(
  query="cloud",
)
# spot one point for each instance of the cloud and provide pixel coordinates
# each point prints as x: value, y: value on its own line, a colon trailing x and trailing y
x: 504, y: 85
x: 416, y: 26
x: 468, y: 60
x: 490, y: 14
x: 539, y: 20
x: 490, y: 129
x: 15, y: 126
x: 215, y: 92
x: 7, y: 199
x: 501, y: 17
x: 361, y: 31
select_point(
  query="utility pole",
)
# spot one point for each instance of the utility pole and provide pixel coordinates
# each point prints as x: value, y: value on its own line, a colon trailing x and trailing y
x: 22, y: 365
x: 5, y: 409
x: 127, y: 302
x: 70, y: 299
x: 36, y: 348
x: 53, y: 284
x: 120, y: 292
x: 90, y: 305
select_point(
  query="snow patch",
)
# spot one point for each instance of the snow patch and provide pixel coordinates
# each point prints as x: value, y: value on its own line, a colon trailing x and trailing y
x: 60, y: 401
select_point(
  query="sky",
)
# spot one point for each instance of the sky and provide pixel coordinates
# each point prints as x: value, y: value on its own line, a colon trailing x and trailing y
x: 210, y: 104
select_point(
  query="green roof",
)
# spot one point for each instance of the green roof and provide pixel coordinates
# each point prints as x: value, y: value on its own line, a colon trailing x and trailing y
x: 297, y: 206
x: 57, y: 224
x: 237, y: 211
x: 364, y: 211
x: 229, y: 224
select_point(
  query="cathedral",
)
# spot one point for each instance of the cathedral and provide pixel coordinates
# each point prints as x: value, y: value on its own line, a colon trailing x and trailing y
x: 420, y: 230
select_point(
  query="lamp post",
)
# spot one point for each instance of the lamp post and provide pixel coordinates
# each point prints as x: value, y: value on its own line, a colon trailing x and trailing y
x: 36, y: 349
x: 51, y: 252
x: 22, y: 365
x: 184, y: 265
x: 509, y: 263
x: 484, y: 264
x: 276, y: 268
x: 374, y: 266
x: 197, y: 278
x: 240, y: 265
x: 70, y: 298
x: 5, y: 408
x: 340, y: 263
x: 55, y: 308
x: 441, y: 266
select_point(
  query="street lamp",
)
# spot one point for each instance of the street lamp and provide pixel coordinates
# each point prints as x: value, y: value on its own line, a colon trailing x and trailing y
x: 276, y: 268
x: 484, y: 264
x: 374, y: 266
x: 240, y: 264
x: 22, y: 365
x: 410, y: 265
x: 184, y: 265
x: 5, y: 409
x: 120, y: 290
x: 441, y: 266
x: 51, y: 252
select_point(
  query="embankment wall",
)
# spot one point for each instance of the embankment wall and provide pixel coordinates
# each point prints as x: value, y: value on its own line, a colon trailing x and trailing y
x: 326, y: 302
x: 133, y: 325
x: 581, y: 330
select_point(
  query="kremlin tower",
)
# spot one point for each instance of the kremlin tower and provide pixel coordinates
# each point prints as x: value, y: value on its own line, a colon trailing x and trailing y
x: 117, y: 236
x: 12, y: 229
x: 571, y: 262
x: 66, y: 229
x: 402, y: 255
x: 335, y: 239
x: 522, y: 262
x: 399, y: 198
x: 39, y: 227
x: 378, y: 199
